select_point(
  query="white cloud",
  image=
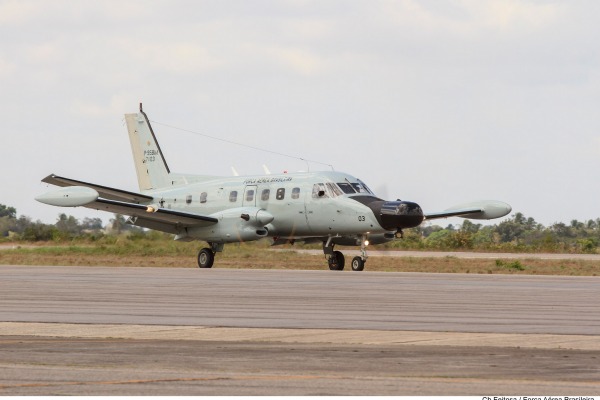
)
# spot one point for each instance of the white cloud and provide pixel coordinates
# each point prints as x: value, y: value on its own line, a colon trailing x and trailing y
x: 468, y: 17
x: 300, y: 61
x: 173, y: 57
x: 6, y: 68
x: 17, y: 12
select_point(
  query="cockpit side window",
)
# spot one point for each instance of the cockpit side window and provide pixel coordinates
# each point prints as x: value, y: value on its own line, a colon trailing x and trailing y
x: 319, y: 191
x: 346, y: 188
x: 333, y: 189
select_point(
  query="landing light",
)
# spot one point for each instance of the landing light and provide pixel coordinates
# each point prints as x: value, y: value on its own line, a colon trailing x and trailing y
x: 366, y: 242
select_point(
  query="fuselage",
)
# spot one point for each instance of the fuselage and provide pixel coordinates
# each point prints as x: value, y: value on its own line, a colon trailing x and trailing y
x: 305, y: 204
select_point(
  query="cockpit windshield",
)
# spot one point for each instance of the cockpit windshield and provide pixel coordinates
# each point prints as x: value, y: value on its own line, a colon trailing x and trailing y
x: 354, y: 187
x: 346, y: 188
x: 366, y: 187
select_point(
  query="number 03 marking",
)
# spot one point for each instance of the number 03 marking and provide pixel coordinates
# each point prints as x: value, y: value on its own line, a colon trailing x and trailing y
x: 361, y: 217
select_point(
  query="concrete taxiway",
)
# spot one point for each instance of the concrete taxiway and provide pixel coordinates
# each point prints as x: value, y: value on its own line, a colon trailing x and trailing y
x: 88, y: 330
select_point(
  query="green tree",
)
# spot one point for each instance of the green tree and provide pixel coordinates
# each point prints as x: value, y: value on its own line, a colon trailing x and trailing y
x: 6, y: 211
x: 68, y: 224
x: 91, y: 224
x: 470, y: 227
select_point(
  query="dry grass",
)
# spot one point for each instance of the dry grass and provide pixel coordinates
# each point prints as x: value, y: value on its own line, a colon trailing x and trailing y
x: 257, y: 256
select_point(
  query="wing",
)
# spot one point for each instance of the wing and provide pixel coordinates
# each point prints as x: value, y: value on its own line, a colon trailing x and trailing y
x: 160, y: 219
x: 104, y: 191
x: 103, y: 198
x: 488, y: 209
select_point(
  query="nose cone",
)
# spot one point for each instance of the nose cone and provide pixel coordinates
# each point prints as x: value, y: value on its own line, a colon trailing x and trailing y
x: 393, y: 215
x: 400, y: 214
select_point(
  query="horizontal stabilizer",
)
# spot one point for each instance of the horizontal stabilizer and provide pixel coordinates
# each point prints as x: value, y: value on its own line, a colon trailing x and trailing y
x: 103, y: 191
x: 488, y: 209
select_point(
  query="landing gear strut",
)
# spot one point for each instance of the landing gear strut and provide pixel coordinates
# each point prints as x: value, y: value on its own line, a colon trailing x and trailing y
x: 206, y: 256
x: 358, y: 262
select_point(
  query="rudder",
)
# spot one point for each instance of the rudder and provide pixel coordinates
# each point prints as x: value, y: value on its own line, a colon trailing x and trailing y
x: 150, y: 164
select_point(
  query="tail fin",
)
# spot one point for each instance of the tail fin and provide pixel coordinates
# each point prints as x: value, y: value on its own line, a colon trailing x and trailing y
x: 151, y: 167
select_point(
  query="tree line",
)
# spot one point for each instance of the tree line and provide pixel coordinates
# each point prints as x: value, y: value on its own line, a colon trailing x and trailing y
x: 67, y: 227
x: 517, y: 233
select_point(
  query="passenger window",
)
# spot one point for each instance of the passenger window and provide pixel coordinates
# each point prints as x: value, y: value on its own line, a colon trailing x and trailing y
x: 249, y: 195
x: 203, y: 197
x: 280, y: 194
x: 296, y: 193
x: 188, y: 199
x: 265, y: 194
x: 233, y: 196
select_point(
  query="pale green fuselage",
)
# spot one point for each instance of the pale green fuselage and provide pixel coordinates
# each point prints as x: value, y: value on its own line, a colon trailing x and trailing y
x: 292, y: 199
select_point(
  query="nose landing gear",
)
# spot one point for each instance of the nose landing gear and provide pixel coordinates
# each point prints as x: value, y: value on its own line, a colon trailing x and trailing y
x: 358, y: 262
x: 336, y: 261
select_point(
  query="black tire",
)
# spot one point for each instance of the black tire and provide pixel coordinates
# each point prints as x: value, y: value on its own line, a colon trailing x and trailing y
x: 336, y: 261
x: 206, y: 258
x: 358, y: 264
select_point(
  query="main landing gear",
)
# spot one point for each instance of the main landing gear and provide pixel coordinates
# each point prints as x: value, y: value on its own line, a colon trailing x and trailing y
x: 206, y: 256
x: 336, y: 261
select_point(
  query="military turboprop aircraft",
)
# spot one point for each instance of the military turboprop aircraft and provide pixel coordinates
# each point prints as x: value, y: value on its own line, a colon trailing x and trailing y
x: 329, y: 207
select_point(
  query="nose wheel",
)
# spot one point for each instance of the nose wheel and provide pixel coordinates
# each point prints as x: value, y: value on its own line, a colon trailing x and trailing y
x: 358, y: 264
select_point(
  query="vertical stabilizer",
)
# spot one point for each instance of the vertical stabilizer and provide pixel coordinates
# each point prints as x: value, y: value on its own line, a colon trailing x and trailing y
x: 150, y: 165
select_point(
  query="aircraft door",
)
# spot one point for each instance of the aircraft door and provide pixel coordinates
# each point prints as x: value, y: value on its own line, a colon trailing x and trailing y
x: 321, y: 210
x: 249, y: 199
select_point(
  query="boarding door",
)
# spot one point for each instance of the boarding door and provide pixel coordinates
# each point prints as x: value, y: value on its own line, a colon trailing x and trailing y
x: 249, y: 199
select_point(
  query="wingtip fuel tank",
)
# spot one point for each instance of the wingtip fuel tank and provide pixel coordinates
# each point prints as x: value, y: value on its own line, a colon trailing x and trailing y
x: 489, y: 209
x: 72, y: 196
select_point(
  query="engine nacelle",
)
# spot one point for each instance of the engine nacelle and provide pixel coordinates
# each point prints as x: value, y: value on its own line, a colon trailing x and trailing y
x: 242, y: 224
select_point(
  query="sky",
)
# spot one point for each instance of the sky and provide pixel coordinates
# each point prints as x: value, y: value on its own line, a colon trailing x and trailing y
x: 437, y: 102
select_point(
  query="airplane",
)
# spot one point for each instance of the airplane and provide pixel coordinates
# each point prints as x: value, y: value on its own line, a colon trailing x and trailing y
x: 328, y: 207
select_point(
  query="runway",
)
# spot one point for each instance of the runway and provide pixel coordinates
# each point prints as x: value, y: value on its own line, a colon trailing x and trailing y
x: 302, y: 299
x: 461, y: 254
x: 294, y: 332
